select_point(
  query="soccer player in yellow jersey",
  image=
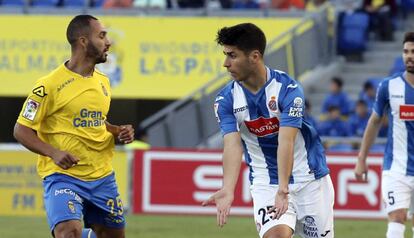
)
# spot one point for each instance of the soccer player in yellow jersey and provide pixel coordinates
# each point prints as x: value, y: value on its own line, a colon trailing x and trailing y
x: 64, y: 121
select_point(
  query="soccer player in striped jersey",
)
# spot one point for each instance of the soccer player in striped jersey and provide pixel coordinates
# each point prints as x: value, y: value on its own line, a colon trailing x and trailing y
x: 64, y: 120
x: 260, y: 113
x: 395, y: 97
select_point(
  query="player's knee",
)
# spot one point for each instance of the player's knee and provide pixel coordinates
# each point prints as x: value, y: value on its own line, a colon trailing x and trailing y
x: 399, y: 216
x: 109, y: 233
x: 69, y: 229
x: 278, y: 233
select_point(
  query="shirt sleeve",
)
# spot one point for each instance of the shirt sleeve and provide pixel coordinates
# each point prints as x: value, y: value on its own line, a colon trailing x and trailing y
x: 292, y: 107
x: 381, y: 98
x: 35, y: 107
x: 223, y: 109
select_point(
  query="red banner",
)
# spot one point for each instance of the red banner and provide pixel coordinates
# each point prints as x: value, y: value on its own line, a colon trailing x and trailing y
x: 173, y: 181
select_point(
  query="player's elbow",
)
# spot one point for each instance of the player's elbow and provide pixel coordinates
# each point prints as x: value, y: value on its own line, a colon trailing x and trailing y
x: 18, y: 132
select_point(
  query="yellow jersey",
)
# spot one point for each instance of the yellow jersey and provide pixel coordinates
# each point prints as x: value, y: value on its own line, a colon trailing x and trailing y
x: 68, y: 111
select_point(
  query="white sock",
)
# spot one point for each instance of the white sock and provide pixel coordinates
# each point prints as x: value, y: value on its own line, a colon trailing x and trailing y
x: 395, y: 230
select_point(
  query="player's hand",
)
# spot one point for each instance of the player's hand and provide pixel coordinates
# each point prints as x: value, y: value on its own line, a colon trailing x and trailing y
x: 126, y: 134
x: 223, y: 200
x: 361, y: 171
x: 281, y: 204
x: 64, y: 160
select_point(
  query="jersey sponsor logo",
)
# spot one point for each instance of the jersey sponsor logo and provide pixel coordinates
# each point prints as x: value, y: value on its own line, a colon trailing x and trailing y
x: 272, y: 104
x: 39, y: 91
x: 105, y: 92
x: 63, y: 85
x: 407, y: 112
x: 240, y: 109
x: 292, y: 86
x: 396, y: 96
x: 297, y: 109
x: 309, y: 227
x: 31, y: 109
x: 296, y: 112
x: 219, y: 98
x: 216, y: 106
x: 326, y: 233
x: 68, y: 191
x: 263, y: 126
x: 88, y: 119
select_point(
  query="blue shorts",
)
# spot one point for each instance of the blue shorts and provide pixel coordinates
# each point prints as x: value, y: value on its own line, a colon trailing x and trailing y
x: 68, y: 198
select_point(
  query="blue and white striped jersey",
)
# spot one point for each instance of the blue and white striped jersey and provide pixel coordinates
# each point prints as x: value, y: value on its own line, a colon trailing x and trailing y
x: 395, y: 96
x: 280, y: 103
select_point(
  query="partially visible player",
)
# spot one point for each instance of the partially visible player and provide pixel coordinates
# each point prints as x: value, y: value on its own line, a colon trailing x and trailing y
x: 260, y: 114
x: 395, y: 96
x: 64, y: 120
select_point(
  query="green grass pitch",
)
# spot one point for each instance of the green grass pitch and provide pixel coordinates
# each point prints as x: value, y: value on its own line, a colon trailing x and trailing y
x: 173, y: 226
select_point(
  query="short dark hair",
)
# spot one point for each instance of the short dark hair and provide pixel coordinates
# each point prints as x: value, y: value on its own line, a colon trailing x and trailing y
x: 408, y: 37
x: 368, y: 85
x: 78, y: 26
x: 361, y: 102
x: 338, y: 81
x: 332, y: 108
x: 245, y: 36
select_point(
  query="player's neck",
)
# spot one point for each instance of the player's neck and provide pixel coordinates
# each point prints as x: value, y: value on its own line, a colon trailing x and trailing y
x: 81, y: 66
x: 410, y: 78
x: 257, y: 80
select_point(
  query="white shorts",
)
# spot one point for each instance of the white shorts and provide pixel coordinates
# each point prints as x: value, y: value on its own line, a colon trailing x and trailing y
x: 310, y: 211
x: 396, y: 190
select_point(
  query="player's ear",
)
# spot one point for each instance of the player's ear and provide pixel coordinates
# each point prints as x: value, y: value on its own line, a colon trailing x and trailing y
x: 83, y: 41
x: 255, y: 56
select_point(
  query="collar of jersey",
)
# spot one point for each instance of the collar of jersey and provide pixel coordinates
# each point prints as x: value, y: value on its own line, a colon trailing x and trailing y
x: 75, y: 74
x: 268, y: 80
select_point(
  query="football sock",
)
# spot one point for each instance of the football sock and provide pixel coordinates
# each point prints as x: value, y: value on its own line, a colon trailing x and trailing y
x: 395, y: 230
x: 88, y: 233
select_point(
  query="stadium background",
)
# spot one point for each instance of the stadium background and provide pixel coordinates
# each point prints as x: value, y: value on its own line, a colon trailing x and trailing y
x: 165, y: 69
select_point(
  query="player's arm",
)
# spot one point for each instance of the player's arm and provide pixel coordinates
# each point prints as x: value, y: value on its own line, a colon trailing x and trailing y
x: 371, y: 132
x: 372, y: 129
x: 124, y: 133
x: 291, y: 104
x: 286, y: 141
x: 232, y: 157
x: 29, y: 139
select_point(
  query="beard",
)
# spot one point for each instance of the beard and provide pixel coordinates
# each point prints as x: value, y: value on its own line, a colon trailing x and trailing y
x: 93, y: 53
x: 409, y: 69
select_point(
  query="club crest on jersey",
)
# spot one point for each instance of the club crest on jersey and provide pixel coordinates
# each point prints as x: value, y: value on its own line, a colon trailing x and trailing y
x: 263, y: 126
x: 105, y: 92
x: 31, y: 109
x: 71, y: 207
x: 272, y: 104
x: 407, y: 112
